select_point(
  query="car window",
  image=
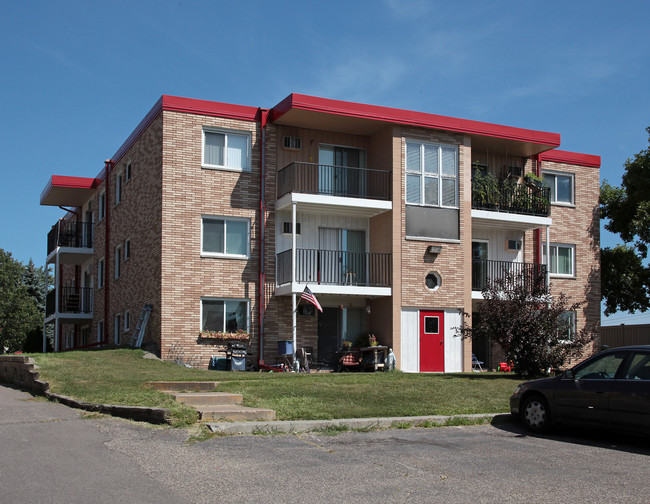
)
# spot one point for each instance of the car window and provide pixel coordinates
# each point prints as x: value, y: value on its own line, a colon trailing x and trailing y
x: 600, y: 368
x: 639, y: 368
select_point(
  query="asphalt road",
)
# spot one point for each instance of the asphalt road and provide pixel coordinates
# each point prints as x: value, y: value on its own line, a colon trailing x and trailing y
x: 51, y: 454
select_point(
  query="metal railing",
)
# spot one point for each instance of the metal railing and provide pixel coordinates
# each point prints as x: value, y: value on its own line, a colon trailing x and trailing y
x: 70, y: 234
x: 332, y: 267
x: 511, y: 274
x: 71, y: 300
x: 329, y: 180
x: 489, y: 193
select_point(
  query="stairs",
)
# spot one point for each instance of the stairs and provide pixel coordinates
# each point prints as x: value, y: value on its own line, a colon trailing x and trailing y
x: 213, y: 405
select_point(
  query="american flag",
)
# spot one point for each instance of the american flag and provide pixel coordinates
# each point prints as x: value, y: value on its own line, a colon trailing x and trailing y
x: 308, y: 296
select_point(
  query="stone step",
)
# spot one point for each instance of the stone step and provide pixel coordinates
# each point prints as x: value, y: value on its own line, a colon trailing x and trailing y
x: 179, y: 386
x: 198, y: 399
x: 235, y: 413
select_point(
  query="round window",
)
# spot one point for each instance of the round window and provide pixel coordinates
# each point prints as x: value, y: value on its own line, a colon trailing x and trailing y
x: 432, y: 281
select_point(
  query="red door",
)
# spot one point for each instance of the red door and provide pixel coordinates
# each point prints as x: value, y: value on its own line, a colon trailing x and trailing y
x: 432, y: 341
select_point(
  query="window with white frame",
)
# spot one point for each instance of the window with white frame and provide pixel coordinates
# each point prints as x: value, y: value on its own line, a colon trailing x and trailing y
x: 127, y: 171
x: 228, y: 315
x: 431, y: 174
x: 226, y: 150
x: 561, y: 185
x: 127, y: 321
x: 118, y: 261
x: 100, y: 273
x: 102, y: 205
x: 118, y: 188
x: 568, y: 326
x: 100, y: 331
x: 562, y: 261
x: 127, y: 248
x: 225, y: 237
x: 117, y: 330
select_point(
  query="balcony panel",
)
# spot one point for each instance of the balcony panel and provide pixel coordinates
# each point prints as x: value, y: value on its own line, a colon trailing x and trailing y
x: 73, y: 240
x: 338, y: 268
x: 514, y: 274
x: 340, y: 181
x: 506, y: 196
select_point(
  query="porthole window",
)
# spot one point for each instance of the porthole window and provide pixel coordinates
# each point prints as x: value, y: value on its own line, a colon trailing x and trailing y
x: 432, y: 281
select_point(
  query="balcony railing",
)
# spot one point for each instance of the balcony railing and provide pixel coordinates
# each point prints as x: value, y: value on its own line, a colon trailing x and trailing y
x: 73, y: 300
x: 489, y: 193
x: 328, y: 180
x: 332, y: 267
x: 70, y: 234
x: 512, y: 274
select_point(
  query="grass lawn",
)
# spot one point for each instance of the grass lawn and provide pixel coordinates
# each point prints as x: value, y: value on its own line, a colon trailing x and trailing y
x: 120, y: 376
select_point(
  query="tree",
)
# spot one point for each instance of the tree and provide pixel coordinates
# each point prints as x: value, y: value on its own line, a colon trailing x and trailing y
x: 19, y: 313
x: 531, y: 330
x: 625, y: 272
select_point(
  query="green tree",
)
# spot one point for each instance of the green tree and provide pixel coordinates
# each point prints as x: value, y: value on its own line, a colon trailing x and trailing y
x: 19, y: 313
x: 533, y: 331
x: 625, y: 271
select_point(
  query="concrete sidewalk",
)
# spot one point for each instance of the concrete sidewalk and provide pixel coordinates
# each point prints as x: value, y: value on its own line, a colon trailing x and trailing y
x: 291, y: 426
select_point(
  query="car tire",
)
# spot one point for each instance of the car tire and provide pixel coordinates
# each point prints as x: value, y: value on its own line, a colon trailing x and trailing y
x: 535, y: 414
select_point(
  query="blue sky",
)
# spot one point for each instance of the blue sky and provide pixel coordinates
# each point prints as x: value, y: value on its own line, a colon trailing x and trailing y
x: 79, y: 76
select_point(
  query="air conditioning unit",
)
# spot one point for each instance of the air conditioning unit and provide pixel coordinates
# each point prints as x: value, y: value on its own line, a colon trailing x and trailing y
x: 513, y: 245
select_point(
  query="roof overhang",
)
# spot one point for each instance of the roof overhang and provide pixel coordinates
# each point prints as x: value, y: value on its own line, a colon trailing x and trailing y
x: 311, y: 112
x: 573, y: 158
x: 62, y: 190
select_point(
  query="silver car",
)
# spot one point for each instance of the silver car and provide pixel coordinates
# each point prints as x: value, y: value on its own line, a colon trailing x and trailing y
x: 610, y: 389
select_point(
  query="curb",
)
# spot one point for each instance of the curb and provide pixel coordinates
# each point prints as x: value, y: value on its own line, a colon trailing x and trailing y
x: 138, y: 413
x: 297, y: 426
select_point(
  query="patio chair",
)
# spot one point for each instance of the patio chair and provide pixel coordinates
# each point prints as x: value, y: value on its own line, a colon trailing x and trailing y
x: 476, y: 363
x: 349, y: 360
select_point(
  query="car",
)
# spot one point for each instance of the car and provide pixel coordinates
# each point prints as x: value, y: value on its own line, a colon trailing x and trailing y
x: 610, y: 389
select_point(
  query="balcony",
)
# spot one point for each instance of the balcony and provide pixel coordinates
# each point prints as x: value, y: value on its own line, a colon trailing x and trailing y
x: 327, y: 180
x: 333, y: 267
x: 509, y: 196
x: 513, y: 274
x: 76, y: 238
x: 73, y: 301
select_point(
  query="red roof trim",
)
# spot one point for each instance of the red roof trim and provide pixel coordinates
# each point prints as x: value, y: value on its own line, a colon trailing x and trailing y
x: 574, y: 158
x: 209, y: 108
x: 411, y: 118
x: 65, y: 181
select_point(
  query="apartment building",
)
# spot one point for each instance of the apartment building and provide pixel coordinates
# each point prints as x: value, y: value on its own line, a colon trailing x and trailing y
x: 217, y: 215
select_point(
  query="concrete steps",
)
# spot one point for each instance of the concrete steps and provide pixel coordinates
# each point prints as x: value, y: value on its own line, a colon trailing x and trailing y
x: 213, y: 405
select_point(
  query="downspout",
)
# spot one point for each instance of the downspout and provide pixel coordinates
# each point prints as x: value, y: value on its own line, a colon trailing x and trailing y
x: 108, y: 166
x: 264, y: 114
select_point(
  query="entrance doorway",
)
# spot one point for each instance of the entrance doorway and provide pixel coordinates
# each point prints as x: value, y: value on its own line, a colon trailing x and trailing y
x: 432, y: 341
x: 336, y: 325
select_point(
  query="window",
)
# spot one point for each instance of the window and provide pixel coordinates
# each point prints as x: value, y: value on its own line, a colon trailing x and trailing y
x: 100, y: 331
x: 431, y: 174
x: 639, y: 367
x: 432, y: 281
x: 127, y: 321
x: 600, y: 368
x: 561, y: 185
x: 118, y: 189
x: 562, y: 259
x: 225, y: 237
x: 226, y: 150
x: 229, y: 315
x: 118, y: 261
x: 118, y: 328
x: 568, y: 329
x: 127, y: 172
x: 431, y: 325
x: 100, y: 273
x: 102, y: 205
x: 286, y: 228
x: 127, y: 248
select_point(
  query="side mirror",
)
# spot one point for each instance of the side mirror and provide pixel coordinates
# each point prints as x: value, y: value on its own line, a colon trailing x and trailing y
x: 568, y: 374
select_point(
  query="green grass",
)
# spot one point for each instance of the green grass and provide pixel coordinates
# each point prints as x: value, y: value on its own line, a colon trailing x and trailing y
x: 120, y: 376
